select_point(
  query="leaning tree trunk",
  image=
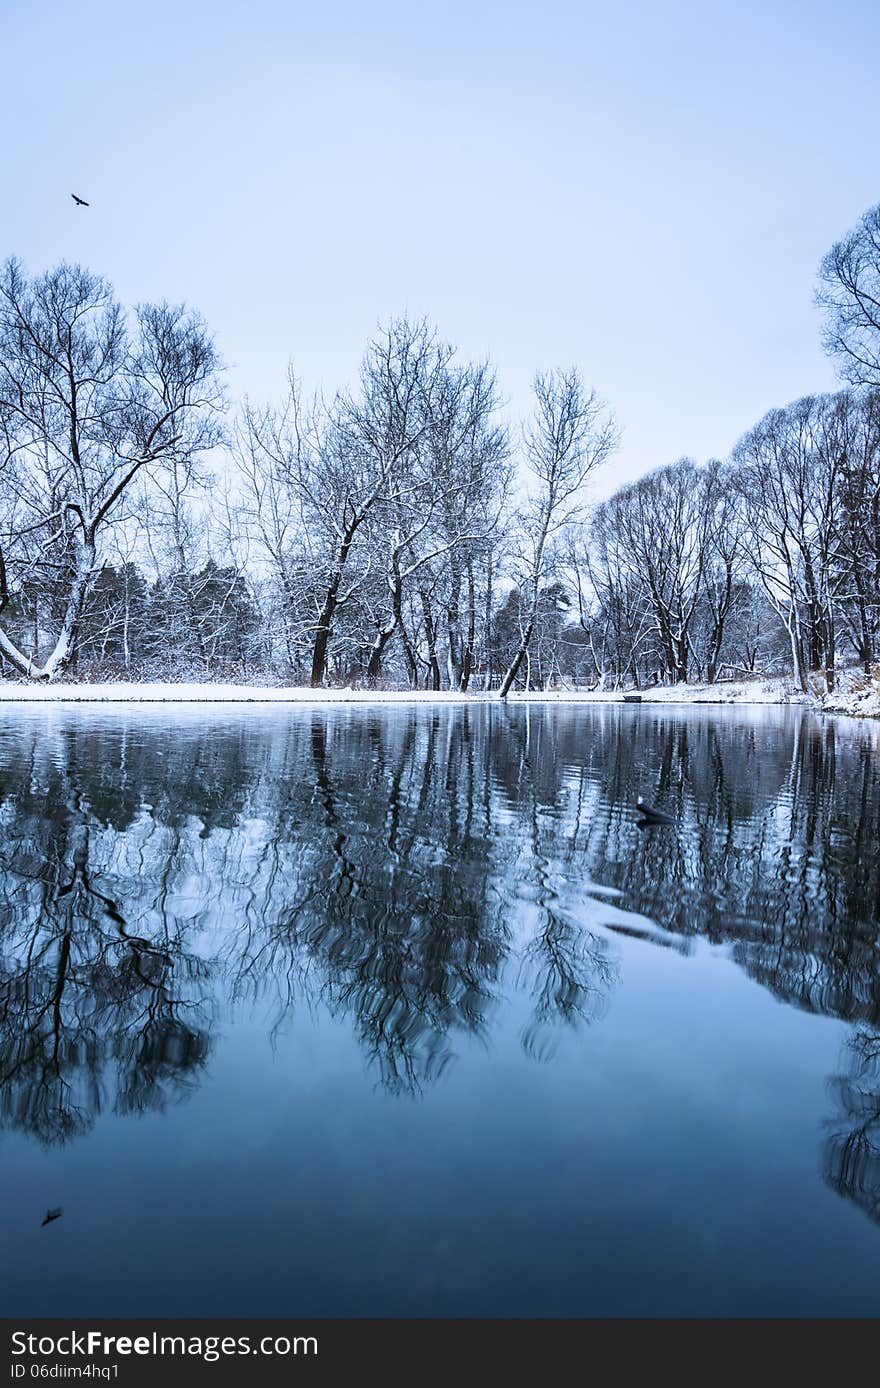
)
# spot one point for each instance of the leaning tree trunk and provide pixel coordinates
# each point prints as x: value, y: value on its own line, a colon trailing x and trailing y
x: 65, y: 645
x: 383, y: 636
x: 518, y: 659
x: 532, y: 618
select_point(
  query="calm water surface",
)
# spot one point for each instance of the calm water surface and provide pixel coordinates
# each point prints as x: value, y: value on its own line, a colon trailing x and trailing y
x: 396, y: 1011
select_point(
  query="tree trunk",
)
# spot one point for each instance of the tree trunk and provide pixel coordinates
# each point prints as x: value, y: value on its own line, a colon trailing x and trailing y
x: 488, y: 651
x: 468, y: 652
x: 431, y: 637
x: 319, y: 650
x: 328, y: 611
x: 126, y: 623
x: 797, y: 655
x: 453, y: 633
x: 517, y: 662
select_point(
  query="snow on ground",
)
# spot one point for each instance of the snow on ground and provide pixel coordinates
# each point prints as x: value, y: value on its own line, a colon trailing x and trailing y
x: 769, y: 691
x: 855, y: 695
x: 160, y: 693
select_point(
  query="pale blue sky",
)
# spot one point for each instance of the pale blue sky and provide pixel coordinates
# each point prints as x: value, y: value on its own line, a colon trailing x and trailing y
x: 643, y: 189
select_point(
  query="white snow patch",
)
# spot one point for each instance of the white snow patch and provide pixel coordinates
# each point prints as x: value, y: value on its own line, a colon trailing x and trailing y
x: 161, y: 693
x: 855, y: 694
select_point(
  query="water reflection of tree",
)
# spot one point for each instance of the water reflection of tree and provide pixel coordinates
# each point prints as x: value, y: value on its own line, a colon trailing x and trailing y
x: 404, y: 869
x: 852, y: 1150
x: 392, y: 924
x: 773, y: 853
x: 568, y: 970
x: 80, y: 992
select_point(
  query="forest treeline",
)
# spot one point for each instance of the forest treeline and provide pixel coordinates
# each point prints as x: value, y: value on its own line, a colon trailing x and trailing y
x: 403, y: 532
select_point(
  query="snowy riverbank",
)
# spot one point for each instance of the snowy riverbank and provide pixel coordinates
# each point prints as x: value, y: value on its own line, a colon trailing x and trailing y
x: 855, y: 695
x: 206, y: 693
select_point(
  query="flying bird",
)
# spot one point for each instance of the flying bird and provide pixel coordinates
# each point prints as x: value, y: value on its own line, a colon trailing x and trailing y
x: 80, y: 202
x: 52, y: 1214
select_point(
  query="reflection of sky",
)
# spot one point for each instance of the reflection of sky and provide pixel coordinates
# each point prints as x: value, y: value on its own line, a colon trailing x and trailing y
x: 601, y: 1126
x: 665, y: 1161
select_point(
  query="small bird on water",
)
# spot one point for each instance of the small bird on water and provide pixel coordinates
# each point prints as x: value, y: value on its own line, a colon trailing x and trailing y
x: 651, y: 816
x: 80, y: 202
x: 52, y: 1214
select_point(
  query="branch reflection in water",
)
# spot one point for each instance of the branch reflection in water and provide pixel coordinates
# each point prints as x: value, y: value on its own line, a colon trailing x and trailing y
x: 409, y: 870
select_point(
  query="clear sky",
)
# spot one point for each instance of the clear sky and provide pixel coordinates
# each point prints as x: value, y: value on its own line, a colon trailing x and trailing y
x: 644, y: 189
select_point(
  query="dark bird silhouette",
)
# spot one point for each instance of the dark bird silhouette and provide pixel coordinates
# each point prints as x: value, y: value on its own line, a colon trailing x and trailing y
x: 651, y: 816
x: 80, y: 202
x: 52, y: 1214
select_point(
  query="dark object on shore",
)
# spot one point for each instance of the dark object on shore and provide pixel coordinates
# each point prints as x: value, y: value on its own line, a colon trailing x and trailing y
x: 651, y: 816
x: 632, y: 698
x: 52, y: 1214
x: 80, y: 202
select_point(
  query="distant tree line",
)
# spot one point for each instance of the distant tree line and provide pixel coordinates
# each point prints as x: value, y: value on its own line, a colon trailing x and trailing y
x: 403, y: 532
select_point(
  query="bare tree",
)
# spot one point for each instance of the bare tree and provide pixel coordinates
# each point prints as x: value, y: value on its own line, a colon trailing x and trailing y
x: 788, y: 473
x: 266, y: 448
x: 724, y: 561
x: 380, y: 497
x: 469, y: 450
x: 445, y: 508
x: 857, y: 557
x: 849, y: 292
x: 331, y: 467
x: 663, y: 520
x: 613, y: 608
x: 88, y: 400
x: 572, y: 433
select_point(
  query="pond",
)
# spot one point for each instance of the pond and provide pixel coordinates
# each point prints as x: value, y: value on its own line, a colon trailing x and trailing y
x: 369, y: 1011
